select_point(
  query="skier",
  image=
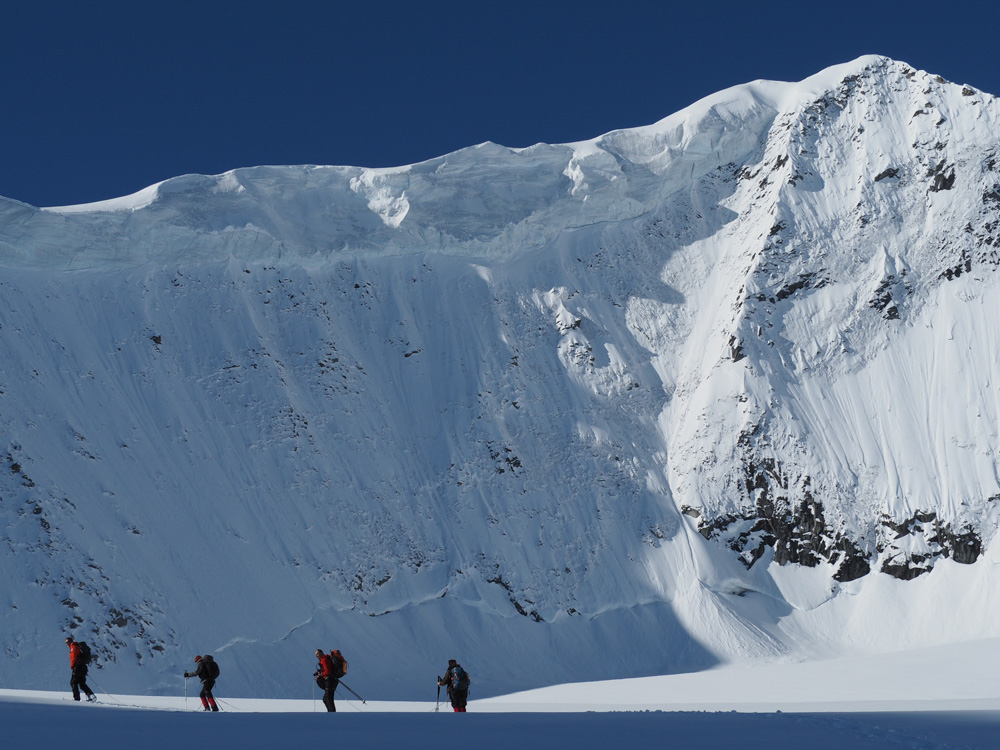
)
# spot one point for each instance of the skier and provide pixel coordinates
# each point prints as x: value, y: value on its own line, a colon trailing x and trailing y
x: 207, y: 671
x: 457, y: 681
x: 79, y: 658
x: 327, y: 678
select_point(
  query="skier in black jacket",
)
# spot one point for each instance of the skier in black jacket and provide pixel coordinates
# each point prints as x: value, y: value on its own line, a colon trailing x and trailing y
x: 457, y: 681
x: 206, y: 671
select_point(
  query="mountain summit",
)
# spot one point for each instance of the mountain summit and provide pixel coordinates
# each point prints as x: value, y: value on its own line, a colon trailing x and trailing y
x: 722, y: 387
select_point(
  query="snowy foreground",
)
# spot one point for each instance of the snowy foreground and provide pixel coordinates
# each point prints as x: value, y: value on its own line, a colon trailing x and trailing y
x: 942, y: 698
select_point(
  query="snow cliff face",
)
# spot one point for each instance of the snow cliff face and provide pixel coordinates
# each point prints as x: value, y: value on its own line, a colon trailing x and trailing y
x: 716, y: 388
x: 858, y: 306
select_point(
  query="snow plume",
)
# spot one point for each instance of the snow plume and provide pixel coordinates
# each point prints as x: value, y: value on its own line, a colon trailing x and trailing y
x: 714, y: 389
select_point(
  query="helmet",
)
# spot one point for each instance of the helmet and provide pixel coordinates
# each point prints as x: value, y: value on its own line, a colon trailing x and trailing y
x: 197, y: 658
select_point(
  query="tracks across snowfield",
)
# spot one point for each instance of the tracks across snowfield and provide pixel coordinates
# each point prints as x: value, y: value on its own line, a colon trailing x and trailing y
x: 44, y: 720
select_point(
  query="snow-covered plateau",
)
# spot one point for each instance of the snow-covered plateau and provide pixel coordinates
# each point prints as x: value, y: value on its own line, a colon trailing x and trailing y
x: 869, y: 703
x: 722, y: 390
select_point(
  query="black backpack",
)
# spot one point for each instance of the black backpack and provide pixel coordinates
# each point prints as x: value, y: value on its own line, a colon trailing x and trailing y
x: 85, y: 655
x: 211, y: 667
x: 339, y: 664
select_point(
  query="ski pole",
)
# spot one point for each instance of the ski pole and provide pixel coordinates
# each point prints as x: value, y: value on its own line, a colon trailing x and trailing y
x: 348, y: 688
x: 185, y: 692
x: 437, y: 706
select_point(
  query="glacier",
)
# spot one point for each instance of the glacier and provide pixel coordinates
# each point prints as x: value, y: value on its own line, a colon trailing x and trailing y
x: 712, y: 390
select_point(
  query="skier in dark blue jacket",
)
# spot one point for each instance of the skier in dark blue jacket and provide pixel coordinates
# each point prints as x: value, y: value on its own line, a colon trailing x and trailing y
x: 457, y: 681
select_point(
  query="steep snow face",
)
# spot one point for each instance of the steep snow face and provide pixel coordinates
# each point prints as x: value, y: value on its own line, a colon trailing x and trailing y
x: 676, y: 395
x: 858, y: 334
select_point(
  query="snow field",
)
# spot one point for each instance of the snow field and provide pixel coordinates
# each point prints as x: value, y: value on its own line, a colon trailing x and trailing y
x: 936, y: 699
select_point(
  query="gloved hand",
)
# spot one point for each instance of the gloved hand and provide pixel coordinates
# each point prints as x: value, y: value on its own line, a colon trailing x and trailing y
x: 186, y: 675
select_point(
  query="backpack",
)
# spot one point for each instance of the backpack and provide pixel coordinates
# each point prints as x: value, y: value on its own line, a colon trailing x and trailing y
x: 86, y: 657
x: 211, y: 666
x: 339, y: 663
x: 460, y: 679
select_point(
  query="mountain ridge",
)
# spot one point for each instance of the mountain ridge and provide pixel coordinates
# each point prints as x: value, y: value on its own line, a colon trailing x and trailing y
x: 371, y: 203
x: 711, y: 390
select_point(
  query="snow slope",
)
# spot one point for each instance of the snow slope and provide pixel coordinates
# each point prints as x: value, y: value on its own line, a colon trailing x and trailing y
x: 40, y: 726
x: 880, y: 702
x: 712, y: 390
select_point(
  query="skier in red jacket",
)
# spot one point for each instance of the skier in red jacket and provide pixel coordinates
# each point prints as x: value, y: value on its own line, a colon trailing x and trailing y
x: 326, y: 678
x: 78, y: 671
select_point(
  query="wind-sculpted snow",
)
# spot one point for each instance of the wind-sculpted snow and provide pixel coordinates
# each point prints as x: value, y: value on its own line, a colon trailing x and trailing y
x: 715, y: 388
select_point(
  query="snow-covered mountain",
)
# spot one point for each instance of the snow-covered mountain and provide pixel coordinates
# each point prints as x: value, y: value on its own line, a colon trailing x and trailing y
x: 722, y: 387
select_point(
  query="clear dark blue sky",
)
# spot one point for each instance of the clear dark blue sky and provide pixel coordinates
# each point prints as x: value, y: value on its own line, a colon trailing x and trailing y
x: 100, y: 99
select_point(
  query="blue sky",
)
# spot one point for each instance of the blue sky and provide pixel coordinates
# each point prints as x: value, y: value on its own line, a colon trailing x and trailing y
x: 101, y: 99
